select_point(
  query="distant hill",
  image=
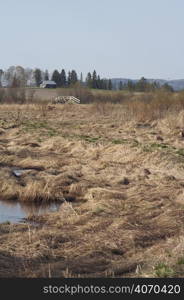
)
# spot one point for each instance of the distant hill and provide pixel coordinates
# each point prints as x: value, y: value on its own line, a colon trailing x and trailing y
x: 177, y: 84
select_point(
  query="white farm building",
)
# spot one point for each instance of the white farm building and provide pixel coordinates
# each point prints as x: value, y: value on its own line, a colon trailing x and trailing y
x: 48, y: 84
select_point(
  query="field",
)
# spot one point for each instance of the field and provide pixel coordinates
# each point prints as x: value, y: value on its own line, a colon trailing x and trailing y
x: 118, y: 169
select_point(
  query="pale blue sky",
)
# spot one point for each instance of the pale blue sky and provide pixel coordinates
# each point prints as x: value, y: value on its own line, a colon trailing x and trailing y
x: 118, y: 38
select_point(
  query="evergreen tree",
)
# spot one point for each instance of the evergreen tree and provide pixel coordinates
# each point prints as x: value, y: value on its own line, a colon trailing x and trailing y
x: 56, y: 77
x: 99, y: 83
x: 102, y: 84
x: 69, y: 78
x: 46, y: 75
x: 130, y: 85
x: 63, y: 78
x: 142, y: 85
x: 94, y: 80
x: 89, y: 80
x: 38, y: 76
x: 81, y: 78
x: 105, y: 84
x: 74, y: 78
x: 109, y: 84
x: 121, y: 86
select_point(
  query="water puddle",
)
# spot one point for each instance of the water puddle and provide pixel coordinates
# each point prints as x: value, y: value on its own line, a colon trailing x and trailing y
x: 14, y: 212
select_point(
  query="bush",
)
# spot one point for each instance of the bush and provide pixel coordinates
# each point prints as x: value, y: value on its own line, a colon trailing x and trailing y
x: 14, y: 95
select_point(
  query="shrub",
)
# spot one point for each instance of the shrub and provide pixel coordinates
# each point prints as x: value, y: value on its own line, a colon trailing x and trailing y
x: 15, y: 95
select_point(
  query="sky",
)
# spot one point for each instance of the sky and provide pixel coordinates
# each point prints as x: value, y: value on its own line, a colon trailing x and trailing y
x: 117, y: 38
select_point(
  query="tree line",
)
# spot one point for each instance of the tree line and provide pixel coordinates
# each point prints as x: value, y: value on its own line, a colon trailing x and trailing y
x: 66, y: 80
x: 143, y: 85
x: 20, y: 77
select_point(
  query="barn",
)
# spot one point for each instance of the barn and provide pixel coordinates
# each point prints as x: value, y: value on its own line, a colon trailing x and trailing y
x: 48, y: 84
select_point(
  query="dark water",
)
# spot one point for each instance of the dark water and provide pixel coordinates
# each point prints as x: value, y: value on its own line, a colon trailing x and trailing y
x: 14, y: 212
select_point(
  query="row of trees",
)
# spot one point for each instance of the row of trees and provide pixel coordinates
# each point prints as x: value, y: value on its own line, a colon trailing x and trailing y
x: 20, y: 77
x: 95, y: 82
x: 143, y: 85
x: 61, y: 79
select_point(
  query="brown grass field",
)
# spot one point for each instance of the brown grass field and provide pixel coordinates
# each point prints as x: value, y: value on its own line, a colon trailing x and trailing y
x: 119, y: 171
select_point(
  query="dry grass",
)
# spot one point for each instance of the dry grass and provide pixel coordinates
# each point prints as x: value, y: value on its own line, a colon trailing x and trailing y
x: 118, y: 168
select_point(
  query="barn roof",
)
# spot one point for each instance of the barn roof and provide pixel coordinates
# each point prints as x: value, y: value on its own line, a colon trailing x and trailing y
x: 48, y: 82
